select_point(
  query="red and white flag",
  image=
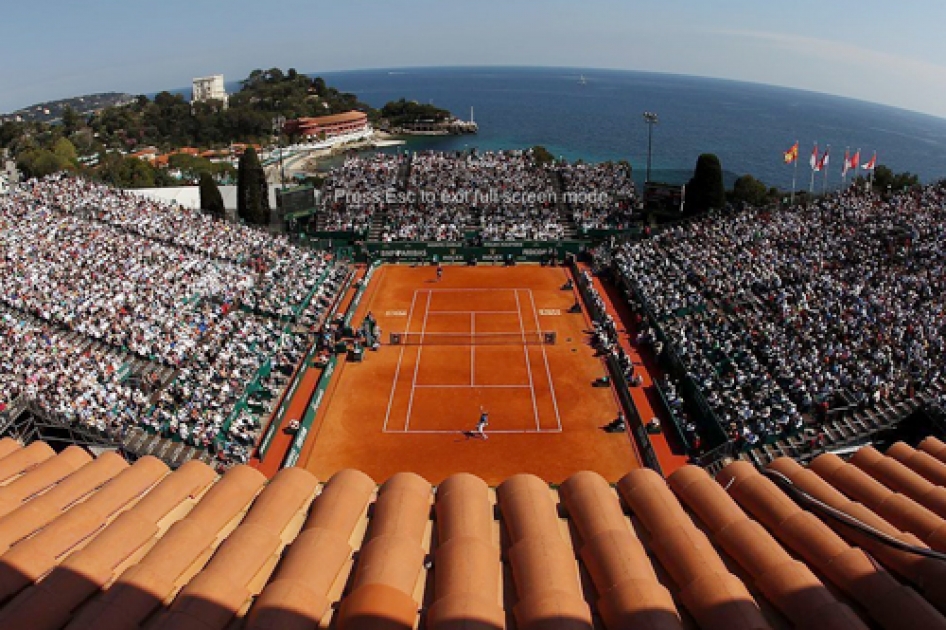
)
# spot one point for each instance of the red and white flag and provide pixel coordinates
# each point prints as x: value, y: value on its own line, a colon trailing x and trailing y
x: 823, y: 162
x: 855, y: 160
x: 814, y: 159
x: 847, y: 163
x: 871, y: 164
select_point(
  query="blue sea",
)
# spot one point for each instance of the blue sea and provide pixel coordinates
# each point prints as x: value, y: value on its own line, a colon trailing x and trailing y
x: 748, y: 126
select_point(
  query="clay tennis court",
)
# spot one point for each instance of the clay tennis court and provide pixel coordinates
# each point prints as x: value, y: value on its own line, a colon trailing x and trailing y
x: 477, y: 340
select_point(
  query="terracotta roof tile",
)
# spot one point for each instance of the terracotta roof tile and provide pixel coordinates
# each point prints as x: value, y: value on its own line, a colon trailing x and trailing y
x: 105, y: 545
x: 19, y: 460
x: 715, y: 597
x: 7, y: 446
x: 41, y: 477
x: 629, y: 592
x: 898, y: 477
x: 787, y: 583
x: 927, y: 574
x: 849, y: 568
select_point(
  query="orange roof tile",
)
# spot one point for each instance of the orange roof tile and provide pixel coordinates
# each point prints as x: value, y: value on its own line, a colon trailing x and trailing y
x: 101, y: 544
x: 331, y: 119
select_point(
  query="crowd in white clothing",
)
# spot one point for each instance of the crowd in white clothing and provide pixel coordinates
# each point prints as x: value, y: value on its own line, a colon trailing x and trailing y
x: 775, y: 314
x: 357, y: 190
x: 601, y: 196
x: 90, y: 277
x: 501, y: 195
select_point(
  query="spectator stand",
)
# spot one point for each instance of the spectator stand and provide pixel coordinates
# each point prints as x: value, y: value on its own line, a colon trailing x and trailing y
x: 276, y: 419
x: 708, y: 425
x: 831, y: 310
x: 312, y: 409
x: 145, y: 340
x: 620, y: 385
x: 300, y: 391
x: 356, y: 300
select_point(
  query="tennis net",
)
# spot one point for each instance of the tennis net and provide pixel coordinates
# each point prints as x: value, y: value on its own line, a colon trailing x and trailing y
x: 533, y: 338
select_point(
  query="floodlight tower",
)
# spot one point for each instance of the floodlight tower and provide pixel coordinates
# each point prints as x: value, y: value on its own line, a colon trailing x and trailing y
x: 651, y: 119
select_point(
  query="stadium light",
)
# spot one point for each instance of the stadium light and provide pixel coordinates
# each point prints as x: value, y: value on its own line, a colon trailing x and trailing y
x: 278, y: 123
x: 651, y: 119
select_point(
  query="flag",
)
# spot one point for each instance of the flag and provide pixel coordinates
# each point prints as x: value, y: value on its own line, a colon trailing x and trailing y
x: 855, y: 160
x: 871, y: 164
x: 814, y: 159
x: 792, y: 154
x: 823, y: 162
x: 847, y: 163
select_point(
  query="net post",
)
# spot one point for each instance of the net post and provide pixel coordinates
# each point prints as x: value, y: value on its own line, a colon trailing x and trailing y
x: 550, y: 337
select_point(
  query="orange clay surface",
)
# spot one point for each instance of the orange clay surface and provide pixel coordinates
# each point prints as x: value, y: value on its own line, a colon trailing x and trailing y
x: 414, y: 407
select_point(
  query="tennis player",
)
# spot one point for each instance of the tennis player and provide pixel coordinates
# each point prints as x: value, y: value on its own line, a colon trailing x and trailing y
x: 482, y: 424
x: 439, y: 272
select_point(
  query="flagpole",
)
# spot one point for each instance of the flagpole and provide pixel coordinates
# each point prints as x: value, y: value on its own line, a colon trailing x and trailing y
x: 847, y: 158
x: 813, y: 162
x: 794, y: 178
x: 824, y: 167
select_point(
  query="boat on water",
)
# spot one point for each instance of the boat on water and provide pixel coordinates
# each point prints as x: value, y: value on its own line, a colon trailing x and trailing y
x: 582, y: 80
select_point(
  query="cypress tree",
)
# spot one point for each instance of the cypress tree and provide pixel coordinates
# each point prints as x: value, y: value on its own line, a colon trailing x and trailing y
x: 706, y: 189
x: 252, y: 190
x: 211, y: 201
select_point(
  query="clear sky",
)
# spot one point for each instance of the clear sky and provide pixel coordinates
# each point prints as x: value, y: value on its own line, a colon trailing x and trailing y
x: 886, y: 52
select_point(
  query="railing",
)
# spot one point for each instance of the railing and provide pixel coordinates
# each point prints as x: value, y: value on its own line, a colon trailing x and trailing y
x: 638, y: 431
x: 275, y: 419
x: 346, y: 322
x: 298, y: 441
x: 711, y: 427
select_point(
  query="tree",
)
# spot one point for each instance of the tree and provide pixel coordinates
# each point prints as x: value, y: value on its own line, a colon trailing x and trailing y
x: 252, y: 190
x: 211, y: 201
x: 65, y: 151
x: 40, y: 163
x: 885, y: 178
x: 128, y: 172
x: 542, y: 156
x: 71, y: 121
x: 706, y: 190
x: 748, y: 189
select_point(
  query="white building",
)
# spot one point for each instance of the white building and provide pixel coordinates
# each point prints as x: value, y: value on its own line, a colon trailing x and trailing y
x: 8, y: 174
x: 209, y: 89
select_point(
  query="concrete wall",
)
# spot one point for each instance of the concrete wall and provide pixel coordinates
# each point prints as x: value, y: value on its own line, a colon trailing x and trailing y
x: 189, y: 196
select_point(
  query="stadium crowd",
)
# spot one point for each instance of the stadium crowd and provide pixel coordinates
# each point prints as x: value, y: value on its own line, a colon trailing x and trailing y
x: 778, y: 314
x: 358, y: 189
x: 502, y: 195
x: 90, y: 276
x: 601, y: 195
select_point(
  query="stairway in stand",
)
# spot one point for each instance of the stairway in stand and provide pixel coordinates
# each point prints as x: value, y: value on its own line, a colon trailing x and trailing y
x: 565, y: 214
x: 138, y: 443
x: 378, y: 221
x: 847, y: 430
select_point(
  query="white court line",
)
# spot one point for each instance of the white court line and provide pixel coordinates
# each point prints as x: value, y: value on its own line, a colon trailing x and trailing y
x: 477, y: 312
x: 548, y: 372
x: 397, y: 371
x: 455, y: 432
x: 423, y: 329
x: 472, y: 348
x: 471, y: 386
x: 525, y: 350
